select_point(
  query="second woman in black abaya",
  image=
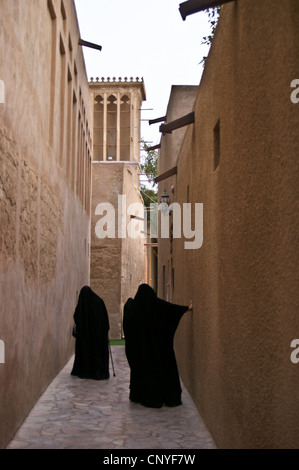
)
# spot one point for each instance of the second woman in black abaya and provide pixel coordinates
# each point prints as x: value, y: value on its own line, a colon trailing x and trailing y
x: 149, y: 325
x: 92, y: 347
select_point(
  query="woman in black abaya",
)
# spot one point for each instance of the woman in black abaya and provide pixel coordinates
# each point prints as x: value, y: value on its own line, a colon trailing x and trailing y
x: 149, y: 326
x: 92, y: 343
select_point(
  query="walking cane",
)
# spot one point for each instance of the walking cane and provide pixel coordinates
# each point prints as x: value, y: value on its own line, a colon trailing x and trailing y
x: 111, y: 359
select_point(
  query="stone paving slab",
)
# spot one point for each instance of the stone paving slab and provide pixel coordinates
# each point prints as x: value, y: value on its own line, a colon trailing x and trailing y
x: 89, y: 414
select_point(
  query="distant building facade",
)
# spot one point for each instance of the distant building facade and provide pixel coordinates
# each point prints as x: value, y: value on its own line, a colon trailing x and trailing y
x: 181, y: 102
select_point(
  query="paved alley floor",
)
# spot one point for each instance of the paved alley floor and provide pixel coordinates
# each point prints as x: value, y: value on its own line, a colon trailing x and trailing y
x: 88, y: 414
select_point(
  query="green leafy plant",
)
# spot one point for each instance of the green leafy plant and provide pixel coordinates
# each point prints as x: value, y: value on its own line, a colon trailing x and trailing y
x: 213, y: 14
x: 149, y: 163
x: 149, y: 170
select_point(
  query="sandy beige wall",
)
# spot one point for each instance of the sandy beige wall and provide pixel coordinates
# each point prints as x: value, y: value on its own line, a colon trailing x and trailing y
x: 234, y: 350
x: 45, y: 225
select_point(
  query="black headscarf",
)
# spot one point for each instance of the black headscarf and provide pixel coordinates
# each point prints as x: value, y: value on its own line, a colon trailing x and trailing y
x: 149, y: 326
x: 92, y: 326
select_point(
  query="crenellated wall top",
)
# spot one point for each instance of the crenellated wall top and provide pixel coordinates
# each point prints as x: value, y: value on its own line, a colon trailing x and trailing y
x: 122, y: 84
x: 119, y: 80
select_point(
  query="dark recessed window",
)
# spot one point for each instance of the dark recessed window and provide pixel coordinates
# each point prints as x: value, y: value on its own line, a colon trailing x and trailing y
x: 217, y: 145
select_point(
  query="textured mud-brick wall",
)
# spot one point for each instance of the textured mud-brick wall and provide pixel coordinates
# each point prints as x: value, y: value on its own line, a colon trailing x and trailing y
x: 44, y: 225
x: 28, y: 221
x: 51, y: 222
x: 8, y: 195
x: 234, y: 349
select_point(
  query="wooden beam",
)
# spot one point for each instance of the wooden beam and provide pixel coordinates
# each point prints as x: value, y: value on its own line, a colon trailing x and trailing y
x: 155, y: 147
x: 89, y: 44
x: 154, y: 121
x: 166, y: 175
x: 181, y: 122
x: 194, y: 6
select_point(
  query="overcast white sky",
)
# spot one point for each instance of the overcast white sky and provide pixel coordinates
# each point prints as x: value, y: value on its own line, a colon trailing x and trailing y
x: 144, y: 38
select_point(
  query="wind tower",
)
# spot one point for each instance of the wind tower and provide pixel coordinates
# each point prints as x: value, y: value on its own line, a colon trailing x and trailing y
x: 117, y: 119
x: 118, y: 263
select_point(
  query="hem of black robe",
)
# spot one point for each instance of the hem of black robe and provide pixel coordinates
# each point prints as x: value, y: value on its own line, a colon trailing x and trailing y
x: 155, y: 405
x: 90, y: 377
x: 147, y: 405
x: 173, y: 404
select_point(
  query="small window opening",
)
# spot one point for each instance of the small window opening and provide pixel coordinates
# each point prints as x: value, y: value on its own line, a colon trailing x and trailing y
x: 217, y: 145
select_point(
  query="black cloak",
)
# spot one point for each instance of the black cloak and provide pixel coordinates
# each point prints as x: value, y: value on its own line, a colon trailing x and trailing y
x: 92, y: 343
x: 149, y: 327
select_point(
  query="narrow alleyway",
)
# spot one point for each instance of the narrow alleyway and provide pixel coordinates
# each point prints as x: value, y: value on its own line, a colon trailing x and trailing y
x: 87, y: 414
